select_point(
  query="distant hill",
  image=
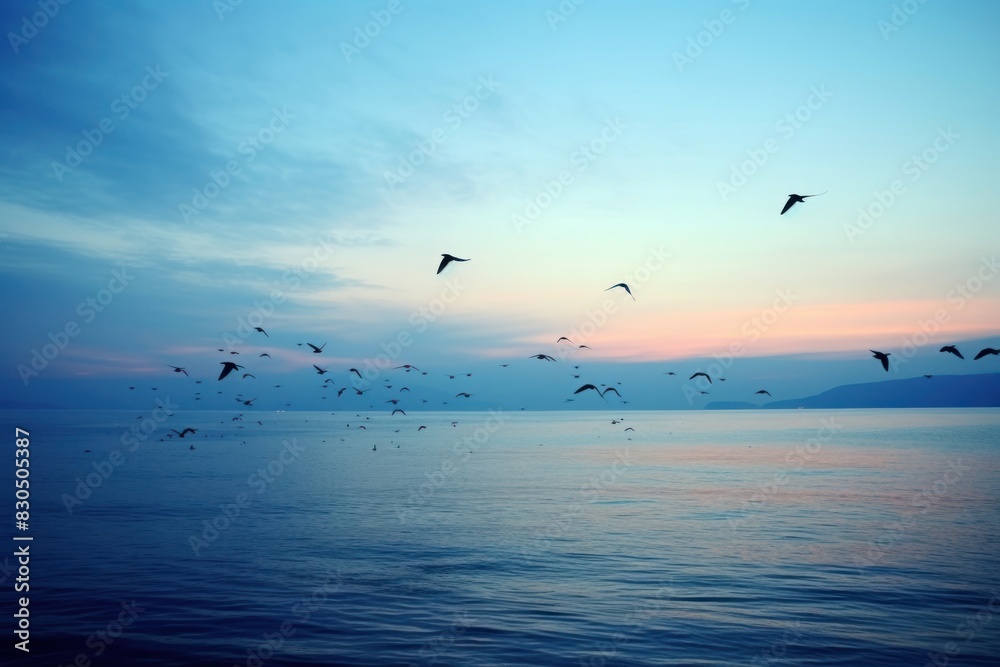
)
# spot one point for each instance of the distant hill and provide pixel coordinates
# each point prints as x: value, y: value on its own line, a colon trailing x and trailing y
x: 939, y: 391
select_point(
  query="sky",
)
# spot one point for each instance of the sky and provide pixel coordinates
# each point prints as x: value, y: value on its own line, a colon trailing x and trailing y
x: 175, y: 174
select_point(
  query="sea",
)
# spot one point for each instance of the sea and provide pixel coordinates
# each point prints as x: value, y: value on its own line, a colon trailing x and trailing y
x: 505, y: 537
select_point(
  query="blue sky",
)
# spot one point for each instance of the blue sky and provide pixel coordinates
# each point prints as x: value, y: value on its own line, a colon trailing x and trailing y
x: 274, y: 162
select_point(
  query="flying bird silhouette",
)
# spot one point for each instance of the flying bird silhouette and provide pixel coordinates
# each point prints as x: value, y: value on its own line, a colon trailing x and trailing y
x: 249, y: 375
x: 320, y: 371
x: 181, y: 434
x: 563, y: 338
x: 462, y: 393
x: 623, y: 285
x: 265, y: 354
x: 356, y: 372
x: 261, y: 330
x: 953, y: 350
x: 540, y: 356
x: 228, y: 367
x: 178, y: 369
x: 704, y: 375
x: 763, y: 391
x: 398, y: 410
x: 316, y: 350
x: 798, y: 199
x: 985, y: 351
x: 883, y: 357
x: 448, y: 259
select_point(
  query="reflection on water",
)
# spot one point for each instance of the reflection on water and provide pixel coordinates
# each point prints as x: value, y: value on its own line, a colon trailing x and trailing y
x: 801, y: 537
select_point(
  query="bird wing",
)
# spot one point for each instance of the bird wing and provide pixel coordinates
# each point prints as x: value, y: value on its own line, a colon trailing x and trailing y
x: 226, y: 370
x: 885, y: 362
x: 984, y: 352
x: 444, y: 262
x: 788, y: 205
x: 586, y: 387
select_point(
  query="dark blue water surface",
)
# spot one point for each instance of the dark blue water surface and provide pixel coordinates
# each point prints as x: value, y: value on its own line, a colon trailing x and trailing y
x: 722, y: 538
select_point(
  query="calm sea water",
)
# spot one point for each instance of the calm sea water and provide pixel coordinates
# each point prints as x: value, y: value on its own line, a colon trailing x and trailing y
x: 722, y: 538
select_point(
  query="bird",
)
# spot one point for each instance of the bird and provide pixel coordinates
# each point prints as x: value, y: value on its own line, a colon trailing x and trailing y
x: 249, y: 375
x: 181, y: 434
x: 541, y: 356
x: 316, y: 350
x: 985, y: 351
x: 341, y: 391
x: 448, y: 259
x: 563, y: 338
x: 261, y: 330
x: 462, y: 393
x: 584, y: 347
x: 883, y: 357
x: 953, y: 350
x: 704, y: 375
x: 265, y: 354
x: 624, y: 286
x: 421, y: 428
x: 408, y: 367
x: 320, y: 371
x: 178, y: 369
x: 763, y: 391
x: 798, y: 199
x: 228, y: 367
x: 356, y: 372
x: 670, y: 373
x: 928, y: 376
x: 611, y: 389
x: 398, y: 410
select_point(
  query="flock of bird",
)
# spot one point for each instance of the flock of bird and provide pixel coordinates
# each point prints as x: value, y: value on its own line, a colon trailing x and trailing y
x: 951, y: 349
x: 231, y: 367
